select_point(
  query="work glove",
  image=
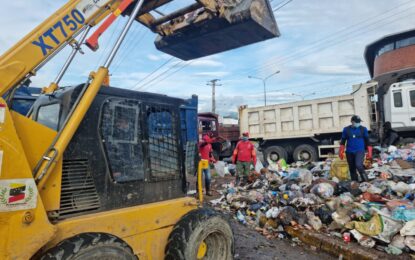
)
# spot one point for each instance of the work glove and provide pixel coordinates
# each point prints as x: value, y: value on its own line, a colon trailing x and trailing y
x: 369, y: 153
x: 234, y: 159
x: 341, y: 152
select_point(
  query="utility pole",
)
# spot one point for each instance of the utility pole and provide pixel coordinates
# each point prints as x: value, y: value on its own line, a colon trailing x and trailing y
x: 213, y: 84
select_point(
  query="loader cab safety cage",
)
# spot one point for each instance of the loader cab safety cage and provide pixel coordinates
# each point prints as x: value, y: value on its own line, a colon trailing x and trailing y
x: 127, y: 150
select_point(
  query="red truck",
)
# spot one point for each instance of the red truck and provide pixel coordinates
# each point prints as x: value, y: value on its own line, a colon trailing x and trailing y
x: 225, y: 136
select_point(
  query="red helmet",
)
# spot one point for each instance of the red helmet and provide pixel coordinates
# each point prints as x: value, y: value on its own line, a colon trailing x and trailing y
x: 245, y: 134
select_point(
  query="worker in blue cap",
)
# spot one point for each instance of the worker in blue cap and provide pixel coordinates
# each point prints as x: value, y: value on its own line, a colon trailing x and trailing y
x: 354, y: 142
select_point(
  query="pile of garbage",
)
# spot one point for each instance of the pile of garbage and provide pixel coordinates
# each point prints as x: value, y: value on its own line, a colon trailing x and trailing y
x: 320, y: 196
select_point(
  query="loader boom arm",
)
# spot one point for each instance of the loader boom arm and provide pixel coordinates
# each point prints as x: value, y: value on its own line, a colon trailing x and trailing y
x: 26, y: 56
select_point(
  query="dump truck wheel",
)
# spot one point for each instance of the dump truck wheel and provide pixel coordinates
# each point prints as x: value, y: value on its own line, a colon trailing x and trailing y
x: 90, y: 246
x: 305, y: 153
x: 201, y: 234
x: 275, y: 153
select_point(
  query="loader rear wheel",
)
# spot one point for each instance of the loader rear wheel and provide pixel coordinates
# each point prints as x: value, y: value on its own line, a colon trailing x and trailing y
x: 90, y: 246
x: 201, y: 234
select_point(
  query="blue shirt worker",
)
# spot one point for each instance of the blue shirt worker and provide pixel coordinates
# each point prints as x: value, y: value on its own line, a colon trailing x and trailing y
x: 355, y: 140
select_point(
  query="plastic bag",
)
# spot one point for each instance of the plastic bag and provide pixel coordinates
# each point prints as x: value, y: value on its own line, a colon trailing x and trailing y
x: 339, y: 169
x: 401, y: 213
x: 349, y: 186
x: 341, y: 219
x: 287, y: 215
x: 314, y: 221
x: 363, y: 240
x: 398, y: 241
x: 408, y: 229
x: 410, y: 242
x: 372, y: 227
x: 306, y: 177
x: 273, y: 212
x: 401, y: 188
x: 390, y: 227
x: 220, y: 168
x: 324, y: 213
x: 323, y: 190
x: 258, y: 165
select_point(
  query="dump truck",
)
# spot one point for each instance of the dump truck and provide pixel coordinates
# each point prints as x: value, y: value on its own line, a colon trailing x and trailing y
x: 307, y: 130
x: 224, y: 136
x: 98, y: 172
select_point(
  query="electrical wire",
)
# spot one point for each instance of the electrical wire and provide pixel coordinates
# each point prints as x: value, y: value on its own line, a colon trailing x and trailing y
x: 278, y: 7
x: 333, y: 42
x: 154, y: 71
x: 173, y: 72
x: 158, y: 76
x: 319, y: 43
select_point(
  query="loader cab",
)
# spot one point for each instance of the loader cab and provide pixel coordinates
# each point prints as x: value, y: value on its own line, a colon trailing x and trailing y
x: 127, y: 151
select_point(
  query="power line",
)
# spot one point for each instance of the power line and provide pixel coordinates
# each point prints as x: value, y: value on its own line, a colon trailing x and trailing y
x: 281, y: 6
x: 158, y: 76
x: 116, y: 28
x: 334, y: 42
x: 154, y: 71
x: 324, y: 40
x: 135, y: 38
x: 171, y: 73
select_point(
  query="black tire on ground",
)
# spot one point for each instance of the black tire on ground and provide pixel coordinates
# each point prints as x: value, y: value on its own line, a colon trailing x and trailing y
x: 405, y: 141
x: 197, y: 227
x: 90, y: 246
x: 305, y: 153
x: 274, y: 153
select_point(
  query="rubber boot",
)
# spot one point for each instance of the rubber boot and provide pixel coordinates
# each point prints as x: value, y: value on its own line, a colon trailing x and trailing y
x: 208, y: 193
x: 237, y: 180
x: 244, y: 181
x: 364, y: 177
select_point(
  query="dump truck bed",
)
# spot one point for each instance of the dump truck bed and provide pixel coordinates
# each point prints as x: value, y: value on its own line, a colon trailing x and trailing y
x: 306, y: 118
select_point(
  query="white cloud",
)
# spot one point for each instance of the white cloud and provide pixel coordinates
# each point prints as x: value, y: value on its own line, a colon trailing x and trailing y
x: 206, y: 62
x: 214, y: 74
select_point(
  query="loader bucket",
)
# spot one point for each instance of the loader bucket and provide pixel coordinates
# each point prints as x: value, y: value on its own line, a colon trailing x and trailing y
x: 247, y: 22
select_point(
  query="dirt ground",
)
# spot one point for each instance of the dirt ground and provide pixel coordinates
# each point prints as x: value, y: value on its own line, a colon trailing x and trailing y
x: 249, y: 244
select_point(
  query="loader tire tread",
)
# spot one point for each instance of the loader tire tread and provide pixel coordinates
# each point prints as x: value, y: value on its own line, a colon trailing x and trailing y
x: 88, y: 246
x: 181, y: 242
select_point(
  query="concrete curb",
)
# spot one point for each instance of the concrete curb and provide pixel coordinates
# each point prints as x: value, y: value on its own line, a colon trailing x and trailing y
x: 337, y: 247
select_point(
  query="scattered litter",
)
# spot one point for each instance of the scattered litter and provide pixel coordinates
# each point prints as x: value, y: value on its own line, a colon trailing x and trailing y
x: 379, y: 213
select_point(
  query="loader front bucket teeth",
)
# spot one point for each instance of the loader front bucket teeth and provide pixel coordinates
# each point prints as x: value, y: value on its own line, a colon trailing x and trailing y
x: 203, y: 32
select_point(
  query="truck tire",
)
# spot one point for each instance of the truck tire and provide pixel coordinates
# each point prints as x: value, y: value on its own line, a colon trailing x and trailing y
x: 274, y: 153
x: 201, y: 234
x: 90, y: 246
x: 305, y: 153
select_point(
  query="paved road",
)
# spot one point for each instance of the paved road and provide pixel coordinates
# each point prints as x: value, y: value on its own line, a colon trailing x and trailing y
x: 252, y: 245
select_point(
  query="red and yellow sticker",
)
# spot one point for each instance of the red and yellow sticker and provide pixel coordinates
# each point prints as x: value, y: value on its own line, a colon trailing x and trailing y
x: 17, y: 194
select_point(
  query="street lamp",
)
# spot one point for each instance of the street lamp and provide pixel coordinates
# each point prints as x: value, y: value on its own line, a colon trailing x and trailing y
x: 302, y: 96
x: 264, y: 81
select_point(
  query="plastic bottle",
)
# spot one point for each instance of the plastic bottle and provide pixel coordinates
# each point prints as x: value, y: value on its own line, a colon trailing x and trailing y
x: 241, y: 217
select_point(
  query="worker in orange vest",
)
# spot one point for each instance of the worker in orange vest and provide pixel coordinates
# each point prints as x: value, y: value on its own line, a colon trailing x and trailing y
x: 244, y: 155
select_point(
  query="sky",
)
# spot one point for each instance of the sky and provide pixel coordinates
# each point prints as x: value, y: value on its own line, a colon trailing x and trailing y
x: 319, y: 53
